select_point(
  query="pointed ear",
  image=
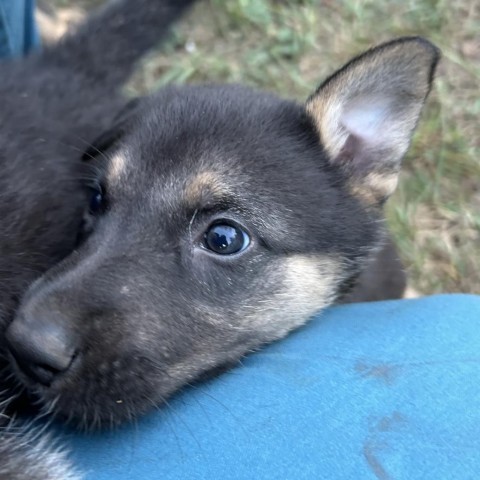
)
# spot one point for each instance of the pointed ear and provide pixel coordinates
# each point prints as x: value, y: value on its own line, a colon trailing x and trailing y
x: 366, y: 112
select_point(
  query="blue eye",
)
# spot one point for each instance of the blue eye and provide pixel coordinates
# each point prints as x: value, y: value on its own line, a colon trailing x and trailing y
x: 96, y: 201
x: 226, y: 238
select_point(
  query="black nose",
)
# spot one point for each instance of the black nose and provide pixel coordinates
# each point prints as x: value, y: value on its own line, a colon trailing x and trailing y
x: 41, y: 348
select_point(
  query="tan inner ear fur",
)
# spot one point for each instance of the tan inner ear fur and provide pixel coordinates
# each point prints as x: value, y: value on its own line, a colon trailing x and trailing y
x: 403, y: 67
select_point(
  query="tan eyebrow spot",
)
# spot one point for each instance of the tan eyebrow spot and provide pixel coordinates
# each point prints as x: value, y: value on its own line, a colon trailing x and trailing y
x: 205, y: 184
x: 116, y: 167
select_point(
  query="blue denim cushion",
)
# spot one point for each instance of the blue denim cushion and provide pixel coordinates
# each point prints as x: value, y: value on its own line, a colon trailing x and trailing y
x: 18, y: 31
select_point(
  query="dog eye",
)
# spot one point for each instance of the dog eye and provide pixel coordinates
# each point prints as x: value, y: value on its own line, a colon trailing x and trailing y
x: 226, y: 238
x: 96, y: 200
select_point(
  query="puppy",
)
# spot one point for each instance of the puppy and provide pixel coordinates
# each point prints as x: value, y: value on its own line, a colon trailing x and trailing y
x: 53, y: 104
x: 220, y: 218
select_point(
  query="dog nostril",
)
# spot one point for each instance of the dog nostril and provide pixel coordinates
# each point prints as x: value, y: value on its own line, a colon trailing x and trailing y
x: 41, y: 349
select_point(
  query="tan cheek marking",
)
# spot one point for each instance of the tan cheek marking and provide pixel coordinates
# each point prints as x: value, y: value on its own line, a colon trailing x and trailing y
x: 384, y: 184
x: 202, y: 183
x: 116, y: 168
x: 308, y: 284
x: 374, y: 188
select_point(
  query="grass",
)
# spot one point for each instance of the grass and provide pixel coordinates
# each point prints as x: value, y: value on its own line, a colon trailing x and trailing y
x: 289, y: 46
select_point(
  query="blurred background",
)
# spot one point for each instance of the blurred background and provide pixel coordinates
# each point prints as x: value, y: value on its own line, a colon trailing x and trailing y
x: 290, y: 46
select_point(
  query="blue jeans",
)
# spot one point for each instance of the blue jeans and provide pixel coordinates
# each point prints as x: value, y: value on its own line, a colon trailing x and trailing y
x: 18, y: 31
x: 385, y: 390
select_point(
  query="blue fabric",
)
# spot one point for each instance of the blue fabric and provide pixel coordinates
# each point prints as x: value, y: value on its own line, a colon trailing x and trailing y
x: 18, y: 31
x: 387, y: 390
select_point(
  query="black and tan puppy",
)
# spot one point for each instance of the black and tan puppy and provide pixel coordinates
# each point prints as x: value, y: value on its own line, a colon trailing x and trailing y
x: 220, y: 218
x: 52, y: 105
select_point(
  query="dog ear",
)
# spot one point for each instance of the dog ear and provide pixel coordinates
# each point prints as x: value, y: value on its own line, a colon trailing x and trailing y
x: 366, y: 112
x: 112, y: 135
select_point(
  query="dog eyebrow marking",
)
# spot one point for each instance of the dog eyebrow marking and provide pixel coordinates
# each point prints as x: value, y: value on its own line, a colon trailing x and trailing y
x: 204, y: 187
x: 116, y: 167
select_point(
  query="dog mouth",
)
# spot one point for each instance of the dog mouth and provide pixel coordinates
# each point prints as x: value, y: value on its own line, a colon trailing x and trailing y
x: 100, y: 395
x: 40, y: 375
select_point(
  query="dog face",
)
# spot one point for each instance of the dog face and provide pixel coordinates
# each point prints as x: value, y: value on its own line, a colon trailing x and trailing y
x: 221, y: 219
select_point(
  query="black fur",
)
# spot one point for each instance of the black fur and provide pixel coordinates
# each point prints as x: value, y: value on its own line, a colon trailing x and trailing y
x: 53, y: 105
x: 171, y: 303
x: 142, y: 306
x: 145, y: 307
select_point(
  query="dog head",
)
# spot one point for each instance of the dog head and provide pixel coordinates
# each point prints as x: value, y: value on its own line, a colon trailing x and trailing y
x: 221, y: 219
